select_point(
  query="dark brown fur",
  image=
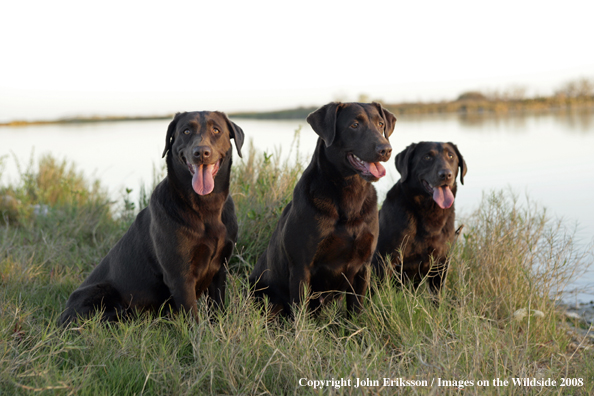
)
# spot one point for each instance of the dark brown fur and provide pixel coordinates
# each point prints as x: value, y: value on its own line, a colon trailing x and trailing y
x: 415, y: 231
x: 177, y: 247
x: 326, y: 236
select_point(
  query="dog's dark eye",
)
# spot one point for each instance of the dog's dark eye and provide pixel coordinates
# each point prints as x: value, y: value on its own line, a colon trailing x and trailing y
x: 381, y: 124
x: 450, y: 155
x: 354, y: 125
x: 427, y: 158
x: 216, y: 130
x: 186, y: 132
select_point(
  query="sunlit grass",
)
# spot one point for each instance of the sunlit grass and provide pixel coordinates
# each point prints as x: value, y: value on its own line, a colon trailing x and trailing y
x: 511, y: 257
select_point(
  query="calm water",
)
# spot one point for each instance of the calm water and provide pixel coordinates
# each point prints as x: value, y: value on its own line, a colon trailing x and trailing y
x: 547, y: 157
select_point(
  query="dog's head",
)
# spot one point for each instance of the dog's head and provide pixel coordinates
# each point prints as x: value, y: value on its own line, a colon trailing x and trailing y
x: 355, y: 136
x: 432, y: 167
x: 199, y: 141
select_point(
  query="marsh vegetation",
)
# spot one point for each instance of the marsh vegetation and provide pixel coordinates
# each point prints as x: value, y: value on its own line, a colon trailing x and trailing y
x: 496, y: 316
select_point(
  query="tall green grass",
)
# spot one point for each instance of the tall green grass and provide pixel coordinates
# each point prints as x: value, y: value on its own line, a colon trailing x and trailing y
x: 510, y: 258
x: 261, y: 186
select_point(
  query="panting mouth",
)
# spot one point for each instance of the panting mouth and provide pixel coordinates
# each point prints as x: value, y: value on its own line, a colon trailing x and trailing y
x: 366, y: 169
x: 203, y: 177
x: 442, y: 195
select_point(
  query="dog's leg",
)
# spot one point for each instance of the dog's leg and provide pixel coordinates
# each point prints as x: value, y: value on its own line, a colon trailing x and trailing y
x: 298, y: 282
x: 183, y: 291
x: 354, y: 299
x: 87, y: 300
x: 436, y: 281
x: 216, y: 289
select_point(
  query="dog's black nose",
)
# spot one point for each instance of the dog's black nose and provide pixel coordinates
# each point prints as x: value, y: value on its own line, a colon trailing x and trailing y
x: 445, y: 174
x: 384, y: 150
x: 201, y: 152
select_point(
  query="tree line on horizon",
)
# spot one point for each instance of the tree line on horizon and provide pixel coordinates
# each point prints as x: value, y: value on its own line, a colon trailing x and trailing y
x: 577, y: 93
x: 572, y: 94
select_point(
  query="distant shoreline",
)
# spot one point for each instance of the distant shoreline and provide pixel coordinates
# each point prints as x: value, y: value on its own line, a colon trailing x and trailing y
x: 84, y: 120
x: 478, y: 106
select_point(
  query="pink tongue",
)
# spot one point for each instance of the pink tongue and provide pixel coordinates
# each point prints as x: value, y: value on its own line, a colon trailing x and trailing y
x: 202, y: 181
x: 376, y: 169
x: 443, y: 196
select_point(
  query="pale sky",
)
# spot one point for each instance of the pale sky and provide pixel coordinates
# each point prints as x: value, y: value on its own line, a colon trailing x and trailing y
x: 67, y: 58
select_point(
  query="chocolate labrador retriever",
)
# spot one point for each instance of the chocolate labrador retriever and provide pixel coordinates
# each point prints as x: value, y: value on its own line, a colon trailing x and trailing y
x: 326, y: 236
x: 417, y: 217
x: 177, y: 247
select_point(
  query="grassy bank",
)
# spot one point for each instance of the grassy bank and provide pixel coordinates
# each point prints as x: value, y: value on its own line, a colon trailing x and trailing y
x: 508, y: 263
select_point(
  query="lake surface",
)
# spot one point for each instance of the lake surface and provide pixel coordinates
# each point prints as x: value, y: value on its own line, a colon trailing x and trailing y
x: 548, y: 157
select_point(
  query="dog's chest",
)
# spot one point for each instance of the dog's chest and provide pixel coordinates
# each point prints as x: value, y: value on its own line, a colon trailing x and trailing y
x: 345, y: 248
x: 345, y: 214
x: 419, y: 247
x: 201, y: 243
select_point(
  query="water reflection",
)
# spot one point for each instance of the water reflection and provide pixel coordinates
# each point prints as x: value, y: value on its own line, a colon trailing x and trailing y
x: 581, y: 120
x: 573, y: 120
x: 475, y: 121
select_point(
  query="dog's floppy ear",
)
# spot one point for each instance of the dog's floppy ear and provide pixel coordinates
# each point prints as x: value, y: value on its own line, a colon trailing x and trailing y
x: 236, y: 133
x: 403, y: 161
x: 388, y: 117
x: 323, y: 121
x: 170, y: 133
x: 461, y: 162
